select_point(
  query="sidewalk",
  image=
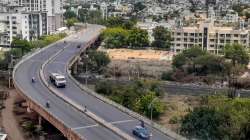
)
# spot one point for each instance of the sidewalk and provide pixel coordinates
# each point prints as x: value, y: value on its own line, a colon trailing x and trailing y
x: 9, y: 122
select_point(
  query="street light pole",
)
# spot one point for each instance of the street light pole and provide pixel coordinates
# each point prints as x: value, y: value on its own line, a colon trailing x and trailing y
x: 86, y: 69
x: 151, y: 109
x: 151, y: 112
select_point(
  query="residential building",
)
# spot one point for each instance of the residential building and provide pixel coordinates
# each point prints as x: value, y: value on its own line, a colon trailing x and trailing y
x: 53, y: 8
x: 29, y: 19
x: 208, y: 37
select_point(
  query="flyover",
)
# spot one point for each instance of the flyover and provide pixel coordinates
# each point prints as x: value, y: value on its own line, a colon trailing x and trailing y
x: 102, y: 122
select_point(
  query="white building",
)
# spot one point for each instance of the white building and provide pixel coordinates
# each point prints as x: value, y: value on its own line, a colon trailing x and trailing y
x: 29, y: 19
x: 53, y: 8
x: 231, y: 17
x: 149, y: 26
x: 208, y: 37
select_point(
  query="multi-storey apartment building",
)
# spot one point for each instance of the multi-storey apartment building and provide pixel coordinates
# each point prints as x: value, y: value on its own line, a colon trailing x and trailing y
x: 16, y: 22
x: 29, y: 19
x: 208, y: 37
x: 53, y: 9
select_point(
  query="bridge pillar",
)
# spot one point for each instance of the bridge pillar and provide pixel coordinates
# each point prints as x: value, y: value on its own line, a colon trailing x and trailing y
x: 29, y: 110
x: 75, y: 69
x: 40, y: 119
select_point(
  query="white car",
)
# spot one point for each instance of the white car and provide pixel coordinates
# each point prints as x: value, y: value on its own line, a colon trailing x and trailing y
x: 57, y: 79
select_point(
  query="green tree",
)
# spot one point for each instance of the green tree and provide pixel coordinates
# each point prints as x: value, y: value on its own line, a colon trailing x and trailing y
x: 120, y: 22
x: 187, y: 57
x: 83, y: 15
x: 70, y: 22
x: 114, y: 22
x: 38, y: 43
x: 179, y: 61
x: 129, y: 24
x: 237, y: 54
x: 98, y: 60
x: 94, y: 17
x: 142, y: 105
x: 115, y: 37
x: 22, y: 44
x: 139, y: 6
x: 138, y: 38
x: 219, y: 118
x: 162, y: 37
x: 209, y: 64
x: 69, y: 14
x: 104, y: 88
x: 204, y: 123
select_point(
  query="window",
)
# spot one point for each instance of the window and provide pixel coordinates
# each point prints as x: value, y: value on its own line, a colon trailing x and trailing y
x: 228, y: 35
x: 222, y: 35
x: 243, y: 36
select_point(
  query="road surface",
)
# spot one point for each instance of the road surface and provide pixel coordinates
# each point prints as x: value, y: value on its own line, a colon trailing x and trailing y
x: 74, y: 119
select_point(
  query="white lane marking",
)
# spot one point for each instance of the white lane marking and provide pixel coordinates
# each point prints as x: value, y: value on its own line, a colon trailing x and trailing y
x: 124, y: 121
x: 96, y: 125
x: 40, y: 61
x: 57, y: 62
x: 84, y: 127
x: 70, y: 51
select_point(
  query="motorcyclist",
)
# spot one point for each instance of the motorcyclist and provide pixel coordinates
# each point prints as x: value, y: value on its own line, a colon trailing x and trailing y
x: 142, y: 123
x: 47, y: 104
x: 33, y: 79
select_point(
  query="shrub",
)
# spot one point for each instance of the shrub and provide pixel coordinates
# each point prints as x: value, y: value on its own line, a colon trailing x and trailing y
x: 167, y: 76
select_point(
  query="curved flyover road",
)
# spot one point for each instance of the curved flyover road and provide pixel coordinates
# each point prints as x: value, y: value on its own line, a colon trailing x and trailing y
x: 71, y: 117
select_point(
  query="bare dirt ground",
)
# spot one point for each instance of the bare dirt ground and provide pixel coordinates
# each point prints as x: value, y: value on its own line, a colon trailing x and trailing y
x: 177, y: 106
x: 125, y: 54
x: 142, y: 63
x: 10, y: 123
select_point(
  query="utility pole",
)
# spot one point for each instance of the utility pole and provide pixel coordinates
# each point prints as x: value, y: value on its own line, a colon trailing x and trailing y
x: 10, y: 69
x: 86, y: 68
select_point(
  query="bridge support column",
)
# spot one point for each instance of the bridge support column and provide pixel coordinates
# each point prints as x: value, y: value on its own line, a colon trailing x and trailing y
x: 29, y: 110
x: 40, y: 119
x: 75, y: 69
